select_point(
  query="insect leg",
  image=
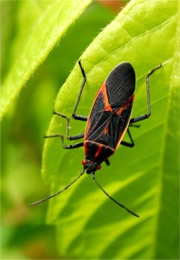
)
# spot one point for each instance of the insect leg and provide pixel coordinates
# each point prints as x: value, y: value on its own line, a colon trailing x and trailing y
x: 75, y: 137
x: 126, y: 143
x: 134, y: 125
x: 71, y: 146
x: 107, y: 162
x: 79, y: 117
x: 147, y: 115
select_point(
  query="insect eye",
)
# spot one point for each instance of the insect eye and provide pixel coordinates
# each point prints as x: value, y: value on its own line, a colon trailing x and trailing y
x: 98, y: 167
x: 83, y: 162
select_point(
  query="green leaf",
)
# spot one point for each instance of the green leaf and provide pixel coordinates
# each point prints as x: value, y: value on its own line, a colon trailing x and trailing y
x: 44, y: 34
x: 145, y: 178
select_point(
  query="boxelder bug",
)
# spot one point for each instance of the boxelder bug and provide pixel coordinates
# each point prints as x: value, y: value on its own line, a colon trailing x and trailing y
x: 107, y: 123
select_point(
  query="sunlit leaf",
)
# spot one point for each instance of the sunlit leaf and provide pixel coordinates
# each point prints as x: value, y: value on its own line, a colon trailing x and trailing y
x: 145, y: 178
x: 47, y: 31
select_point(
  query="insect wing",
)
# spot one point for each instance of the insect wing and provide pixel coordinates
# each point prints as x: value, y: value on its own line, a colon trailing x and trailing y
x: 111, y: 110
x: 120, y: 85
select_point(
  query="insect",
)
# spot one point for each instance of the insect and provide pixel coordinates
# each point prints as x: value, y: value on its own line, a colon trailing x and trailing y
x: 107, y: 123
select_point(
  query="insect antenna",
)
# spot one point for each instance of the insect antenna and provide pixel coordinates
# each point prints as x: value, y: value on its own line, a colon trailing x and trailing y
x: 122, y: 206
x: 58, y: 192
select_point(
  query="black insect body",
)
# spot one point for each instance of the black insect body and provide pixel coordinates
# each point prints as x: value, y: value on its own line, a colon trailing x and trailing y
x: 109, y: 116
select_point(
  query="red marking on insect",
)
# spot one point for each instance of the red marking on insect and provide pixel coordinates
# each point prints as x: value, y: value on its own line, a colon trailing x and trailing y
x: 129, y: 101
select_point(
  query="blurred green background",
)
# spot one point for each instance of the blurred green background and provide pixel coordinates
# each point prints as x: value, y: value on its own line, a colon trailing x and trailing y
x: 24, y: 234
x: 100, y: 228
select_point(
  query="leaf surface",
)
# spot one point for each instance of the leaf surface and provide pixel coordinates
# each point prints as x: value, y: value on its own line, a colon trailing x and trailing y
x: 145, y: 178
x: 34, y: 48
